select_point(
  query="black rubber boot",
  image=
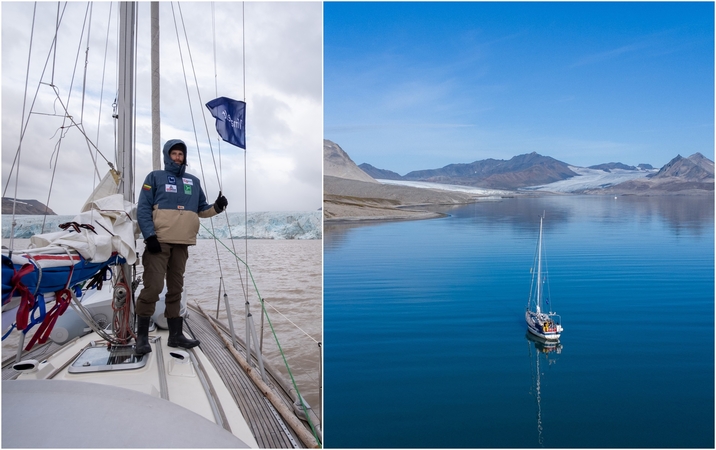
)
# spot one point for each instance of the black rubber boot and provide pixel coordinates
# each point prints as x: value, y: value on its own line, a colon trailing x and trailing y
x: 176, y: 335
x: 142, y: 346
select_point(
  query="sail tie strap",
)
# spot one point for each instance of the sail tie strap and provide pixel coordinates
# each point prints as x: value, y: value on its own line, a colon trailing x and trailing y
x: 76, y: 226
x: 62, y: 301
x: 31, y: 310
x: 99, y: 278
x: 34, y: 317
x: 37, y: 315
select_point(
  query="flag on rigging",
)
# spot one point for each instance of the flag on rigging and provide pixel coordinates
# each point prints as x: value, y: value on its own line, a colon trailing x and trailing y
x: 230, y: 120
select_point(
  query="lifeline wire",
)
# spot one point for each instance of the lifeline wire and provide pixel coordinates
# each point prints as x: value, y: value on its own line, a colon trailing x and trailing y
x: 273, y: 331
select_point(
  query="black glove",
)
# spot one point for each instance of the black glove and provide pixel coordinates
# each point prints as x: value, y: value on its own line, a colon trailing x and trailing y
x: 221, y: 203
x: 152, y: 244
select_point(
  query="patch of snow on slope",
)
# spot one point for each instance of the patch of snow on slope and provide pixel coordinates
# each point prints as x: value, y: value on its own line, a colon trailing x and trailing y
x: 591, y: 179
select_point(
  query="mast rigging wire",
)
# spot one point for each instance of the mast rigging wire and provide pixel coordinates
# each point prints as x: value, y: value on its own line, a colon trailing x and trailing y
x: 218, y: 146
x: 246, y: 293
x: 84, y: 77
x: 216, y: 80
x: 246, y: 187
x: 25, y: 118
x: 198, y: 93
x: 58, y: 145
x: 22, y: 132
x: 243, y: 286
x: 67, y: 116
x: 101, y: 91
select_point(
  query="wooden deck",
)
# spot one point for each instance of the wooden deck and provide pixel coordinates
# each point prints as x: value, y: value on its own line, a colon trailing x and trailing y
x: 269, y: 429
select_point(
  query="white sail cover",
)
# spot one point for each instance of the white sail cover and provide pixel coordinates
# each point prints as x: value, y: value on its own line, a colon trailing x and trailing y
x: 108, y: 186
x: 112, y: 219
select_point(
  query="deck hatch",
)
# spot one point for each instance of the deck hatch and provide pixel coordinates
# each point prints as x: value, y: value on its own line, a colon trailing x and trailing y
x: 103, y: 359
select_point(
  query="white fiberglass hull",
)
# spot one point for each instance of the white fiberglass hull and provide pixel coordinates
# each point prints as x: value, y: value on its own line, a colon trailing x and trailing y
x: 184, y: 390
x: 536, y: 325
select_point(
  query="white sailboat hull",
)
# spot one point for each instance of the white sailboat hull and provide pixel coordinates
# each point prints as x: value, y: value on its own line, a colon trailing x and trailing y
x: 116, y: 408
x: 536, y: 325
x: 182, y: 383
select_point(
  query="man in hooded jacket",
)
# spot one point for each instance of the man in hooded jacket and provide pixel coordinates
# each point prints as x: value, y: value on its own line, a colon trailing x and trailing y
x: 168, y: 211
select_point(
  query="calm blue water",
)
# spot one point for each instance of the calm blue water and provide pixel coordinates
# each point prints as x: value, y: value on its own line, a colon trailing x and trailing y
x: 425, y: 339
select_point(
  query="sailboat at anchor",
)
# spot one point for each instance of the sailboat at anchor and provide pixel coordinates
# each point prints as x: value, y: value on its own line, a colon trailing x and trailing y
x: 545, y: 325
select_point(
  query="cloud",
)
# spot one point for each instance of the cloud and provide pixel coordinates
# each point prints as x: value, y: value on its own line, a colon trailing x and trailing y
x: 281, y: 82
x: 608, y: 54
x: 654, y: 42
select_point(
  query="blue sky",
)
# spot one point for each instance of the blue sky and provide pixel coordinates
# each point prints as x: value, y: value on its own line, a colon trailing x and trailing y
x: 411, y: 86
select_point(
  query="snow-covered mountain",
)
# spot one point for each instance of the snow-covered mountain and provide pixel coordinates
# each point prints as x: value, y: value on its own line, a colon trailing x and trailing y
x: 538, y: 173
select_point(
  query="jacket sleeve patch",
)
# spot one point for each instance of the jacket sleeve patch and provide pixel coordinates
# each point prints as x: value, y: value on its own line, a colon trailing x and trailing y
x: 147, y: 187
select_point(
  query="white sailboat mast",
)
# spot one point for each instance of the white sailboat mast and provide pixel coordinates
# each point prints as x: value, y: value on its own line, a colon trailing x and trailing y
x: 125, y: 97
x: 539, y: 268
x: 156, y: 143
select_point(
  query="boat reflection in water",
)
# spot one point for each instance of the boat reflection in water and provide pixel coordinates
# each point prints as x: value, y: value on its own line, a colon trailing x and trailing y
x: 542, y: 352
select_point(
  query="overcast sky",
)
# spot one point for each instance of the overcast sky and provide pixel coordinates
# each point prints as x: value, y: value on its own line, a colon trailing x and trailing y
x: 411, y: 86
x: 282, y: 88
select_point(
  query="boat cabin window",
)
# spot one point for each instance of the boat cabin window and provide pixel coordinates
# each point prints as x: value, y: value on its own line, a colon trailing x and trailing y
x: 103, y: 359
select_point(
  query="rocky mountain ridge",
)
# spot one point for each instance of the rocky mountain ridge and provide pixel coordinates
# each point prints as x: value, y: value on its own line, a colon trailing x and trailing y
x: 337, y: 163
x: 520, y: 171
x: 25, y: 207
x: 350, y: 194
x: 693, y: 174
x: 683, y: 176
x: 380, y: 174
x: 694, y: 168
x: 608, y: 167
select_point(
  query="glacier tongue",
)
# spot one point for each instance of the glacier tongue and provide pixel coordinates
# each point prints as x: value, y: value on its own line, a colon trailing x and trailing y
x: 261, y: 225
x: 591, y: 179
x: 265, y: 225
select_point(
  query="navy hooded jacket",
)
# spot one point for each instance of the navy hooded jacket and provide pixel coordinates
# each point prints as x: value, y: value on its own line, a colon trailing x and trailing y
x: 171, y: 202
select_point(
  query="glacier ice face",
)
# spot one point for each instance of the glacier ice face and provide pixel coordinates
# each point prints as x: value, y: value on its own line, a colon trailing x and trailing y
x: 265, y: 225
x: 260, y: 225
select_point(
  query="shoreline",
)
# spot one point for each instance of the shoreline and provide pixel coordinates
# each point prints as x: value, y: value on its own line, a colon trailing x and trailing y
x: 353, y: 201
x: 354, y: 209
x: 387, y: 218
